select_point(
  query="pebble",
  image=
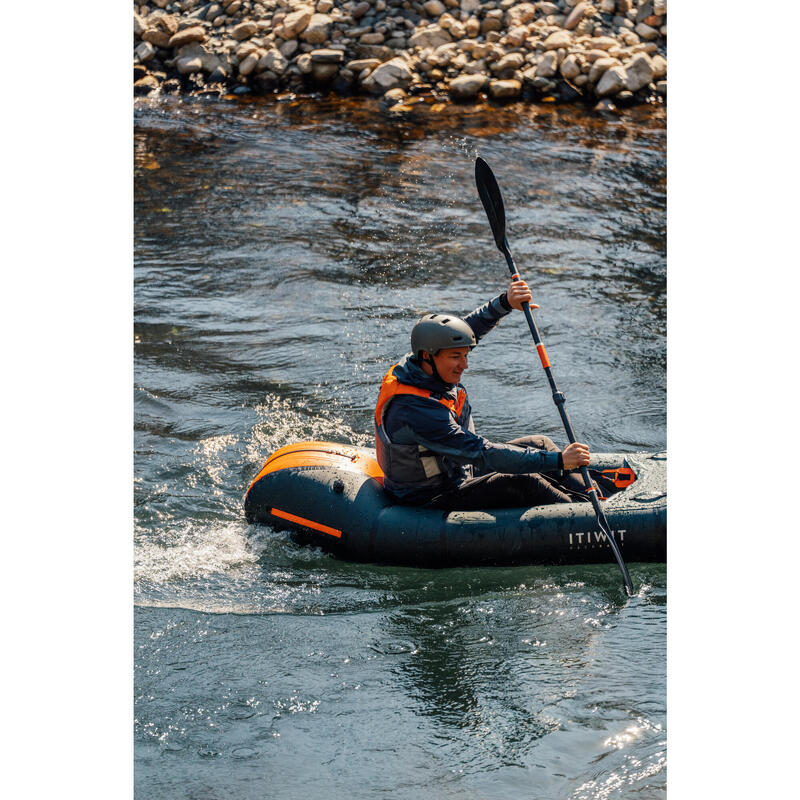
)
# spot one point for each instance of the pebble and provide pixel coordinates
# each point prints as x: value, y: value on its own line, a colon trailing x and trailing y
x: 431, y: 36
x: 145, y: 85
x: 295, y: 23
x: 390, y: 75
x: 613, y: 81
x: 511, y: 61
x: 434, y: 8
x: 467, y: 86
x: 462, y: 47
x: 646, y: 32
x: 569, y: 67
x: 316, y: 32
x: 326, y: 56
x: 248, y: 64
x: 504, y: 90
x: 639, y: 72
x: 659, y: 66
x: 558, y: 39
x: 520, y: 14
x: 156, y: 37
x: 548, y: 65
x: 600, y: 66
x: 323, y: 72
x: 193, y: 34
x: 144, y: 52
x: 575, y: 16
x: 272, y: 60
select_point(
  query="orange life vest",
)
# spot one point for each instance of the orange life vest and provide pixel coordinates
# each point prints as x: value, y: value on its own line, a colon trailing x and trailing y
x: 410, y: 466
x: 390, y: 387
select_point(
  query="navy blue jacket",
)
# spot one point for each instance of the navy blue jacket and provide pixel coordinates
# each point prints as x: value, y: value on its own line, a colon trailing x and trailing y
x: 416, y: 420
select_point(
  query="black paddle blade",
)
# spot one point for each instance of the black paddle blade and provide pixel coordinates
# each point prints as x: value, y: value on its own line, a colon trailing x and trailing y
x: 492, y: 201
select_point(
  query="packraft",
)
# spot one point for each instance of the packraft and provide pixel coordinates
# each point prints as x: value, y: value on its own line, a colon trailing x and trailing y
x: 331, y: 495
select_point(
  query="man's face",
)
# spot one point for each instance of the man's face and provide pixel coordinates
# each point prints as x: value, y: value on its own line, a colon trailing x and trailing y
x: 451, y: 362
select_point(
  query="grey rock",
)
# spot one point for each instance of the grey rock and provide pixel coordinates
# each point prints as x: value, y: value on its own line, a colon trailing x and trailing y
x: 519, y: 14
x: 359, y: 64
x: 274, y: 61
x: 390, y: 75
x: 145, y: 51
x: 316, y: 32
x: 575, y: 16
x: 324, y: 72
x: 326, y: 56
x: 288, y: 48
x: 505, y: 90
x: 548, y: 66
x: 244, y: 30
x: 304, y: 63
x: 511, y: 61
x: 569, y: 67
x: 193, y: 34
x: 645, y: 31
x: 612, y: 82
x: 430, y: 36
x: 600, y: 67
x: 558, y: 39
x: 639, y: 72
x: 465, y: 87
x: 186, y: 66
x: 434, y: 8
x: 295, y: 23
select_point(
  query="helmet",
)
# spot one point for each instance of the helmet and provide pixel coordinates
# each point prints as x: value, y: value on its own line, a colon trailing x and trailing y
x: 435, y: 332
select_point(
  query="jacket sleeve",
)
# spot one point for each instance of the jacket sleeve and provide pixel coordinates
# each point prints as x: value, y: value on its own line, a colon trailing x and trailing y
x: 435, y: 429
x: 484, y: 319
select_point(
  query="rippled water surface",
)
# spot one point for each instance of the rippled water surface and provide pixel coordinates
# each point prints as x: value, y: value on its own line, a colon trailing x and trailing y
x: 282, y: 253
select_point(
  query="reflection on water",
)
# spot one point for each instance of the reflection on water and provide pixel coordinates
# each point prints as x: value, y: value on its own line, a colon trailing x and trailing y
x: 282, y: 252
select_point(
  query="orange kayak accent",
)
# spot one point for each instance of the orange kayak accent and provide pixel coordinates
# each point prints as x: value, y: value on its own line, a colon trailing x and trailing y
x: 309, y: 523
x: 320, y: 454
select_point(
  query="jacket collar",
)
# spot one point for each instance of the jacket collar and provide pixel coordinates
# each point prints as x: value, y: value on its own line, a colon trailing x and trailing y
x: 409, y: 371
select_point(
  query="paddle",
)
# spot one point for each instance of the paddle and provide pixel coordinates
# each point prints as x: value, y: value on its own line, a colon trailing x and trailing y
x: 492, y: 201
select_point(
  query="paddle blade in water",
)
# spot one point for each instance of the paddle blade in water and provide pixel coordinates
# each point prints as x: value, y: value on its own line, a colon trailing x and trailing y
x: 492, y: 200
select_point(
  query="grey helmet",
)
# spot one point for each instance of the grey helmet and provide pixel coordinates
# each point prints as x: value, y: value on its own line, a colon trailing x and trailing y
x: 435, y: 332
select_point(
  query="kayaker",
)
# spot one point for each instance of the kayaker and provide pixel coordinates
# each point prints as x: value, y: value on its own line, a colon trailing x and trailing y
x: 425, y: 439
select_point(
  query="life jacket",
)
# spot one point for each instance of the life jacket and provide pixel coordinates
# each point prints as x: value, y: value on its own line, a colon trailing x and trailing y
x: 411, y: 467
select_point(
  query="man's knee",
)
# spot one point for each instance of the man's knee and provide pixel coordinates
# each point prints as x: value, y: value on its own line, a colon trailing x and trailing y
x: 539, y: 442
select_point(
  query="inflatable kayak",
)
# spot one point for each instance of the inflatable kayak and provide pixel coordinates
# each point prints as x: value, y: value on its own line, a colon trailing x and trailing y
x: 331, y: 495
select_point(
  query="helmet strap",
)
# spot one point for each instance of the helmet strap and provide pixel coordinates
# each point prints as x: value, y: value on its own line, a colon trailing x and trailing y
x: 429, y: 360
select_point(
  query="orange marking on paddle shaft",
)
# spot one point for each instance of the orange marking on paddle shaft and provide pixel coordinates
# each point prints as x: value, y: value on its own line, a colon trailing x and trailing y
x: 307, y: 522
x: 543, y: 356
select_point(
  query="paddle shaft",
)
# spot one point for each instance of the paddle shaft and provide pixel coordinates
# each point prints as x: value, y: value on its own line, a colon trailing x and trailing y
x: 560, y: 401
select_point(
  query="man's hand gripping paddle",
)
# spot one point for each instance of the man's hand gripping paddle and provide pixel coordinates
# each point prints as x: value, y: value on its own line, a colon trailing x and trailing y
x: 492, y: 201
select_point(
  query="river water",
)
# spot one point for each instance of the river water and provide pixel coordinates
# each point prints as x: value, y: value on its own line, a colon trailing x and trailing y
x: 282, y: 252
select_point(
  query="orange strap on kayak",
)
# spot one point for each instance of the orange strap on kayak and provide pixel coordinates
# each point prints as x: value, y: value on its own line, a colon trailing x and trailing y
x: 622, y: 477
x: 309, y: 523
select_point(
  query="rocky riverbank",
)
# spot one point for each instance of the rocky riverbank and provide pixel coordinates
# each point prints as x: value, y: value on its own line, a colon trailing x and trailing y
x: 606, y: 51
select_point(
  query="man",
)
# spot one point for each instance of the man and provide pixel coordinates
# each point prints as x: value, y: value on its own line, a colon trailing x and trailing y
x: 425, y: 440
